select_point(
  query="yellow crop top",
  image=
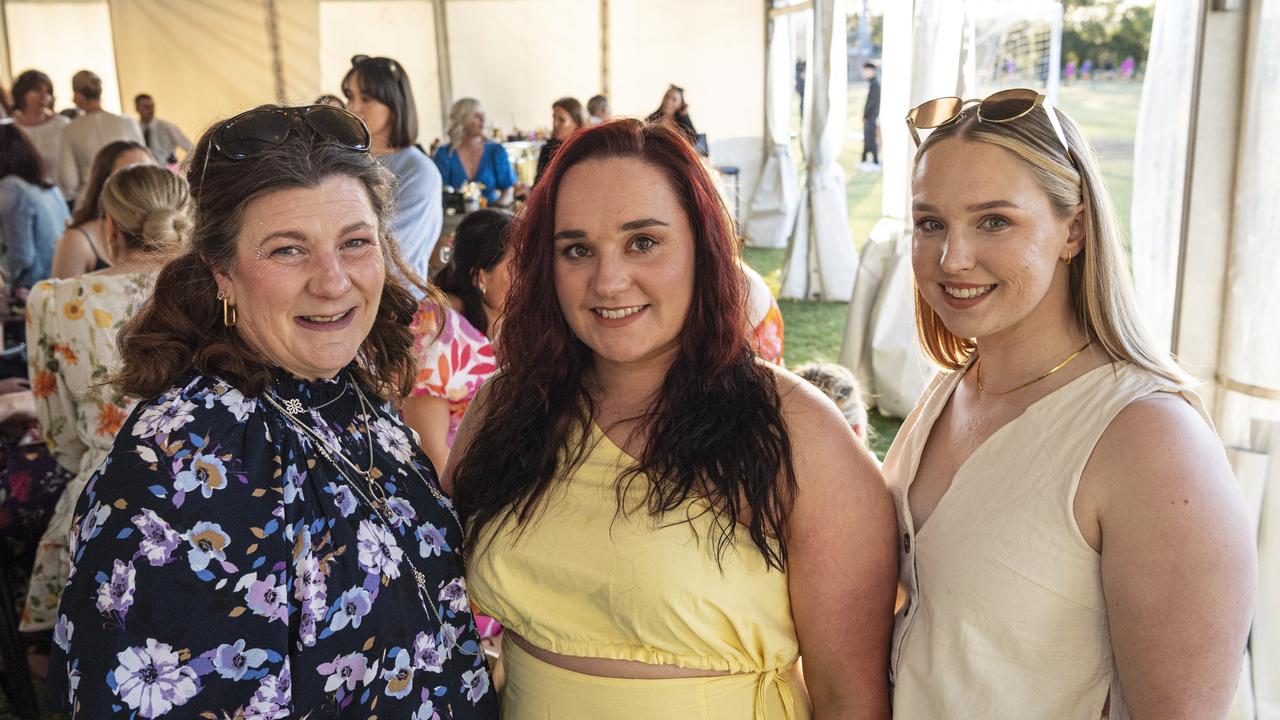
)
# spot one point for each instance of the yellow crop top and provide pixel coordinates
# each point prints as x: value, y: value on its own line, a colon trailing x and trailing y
x: 585, y: 580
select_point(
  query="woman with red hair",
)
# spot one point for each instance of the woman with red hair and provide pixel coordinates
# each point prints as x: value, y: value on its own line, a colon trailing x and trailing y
x: 662, y: 521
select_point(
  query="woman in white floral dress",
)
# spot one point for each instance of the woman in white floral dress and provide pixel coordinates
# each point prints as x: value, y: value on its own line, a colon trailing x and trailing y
x: 72, y: 325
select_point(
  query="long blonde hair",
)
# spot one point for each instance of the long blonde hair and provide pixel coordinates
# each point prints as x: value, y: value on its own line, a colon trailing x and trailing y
x: 1100, y: 287
x: 459, y: 115
x: 150, y: 205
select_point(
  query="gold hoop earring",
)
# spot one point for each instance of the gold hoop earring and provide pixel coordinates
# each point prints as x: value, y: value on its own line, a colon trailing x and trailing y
x: 1067, y: 260
x: 228, y: 311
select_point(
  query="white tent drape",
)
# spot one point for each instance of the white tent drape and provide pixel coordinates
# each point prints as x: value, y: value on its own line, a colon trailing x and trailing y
x: 1159, y: 166
x: 821, y: 261
x: 771, y: 215
x: 924, y: 57
x: 1249, y: 371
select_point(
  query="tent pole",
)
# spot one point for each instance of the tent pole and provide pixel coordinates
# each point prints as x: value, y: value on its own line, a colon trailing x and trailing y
x: 443, y: 67
x: 604, y: 48
x: 277, y: 57
x: 6, y: 62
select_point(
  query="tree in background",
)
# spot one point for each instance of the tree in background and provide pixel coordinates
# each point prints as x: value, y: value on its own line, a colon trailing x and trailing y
x: 1105, y: 31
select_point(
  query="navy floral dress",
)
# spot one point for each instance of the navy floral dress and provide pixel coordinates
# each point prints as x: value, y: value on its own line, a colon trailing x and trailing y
x: 223, y: 567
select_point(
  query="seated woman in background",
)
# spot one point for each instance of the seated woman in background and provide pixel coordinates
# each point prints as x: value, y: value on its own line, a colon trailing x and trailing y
x: 264, y: 539
x: 673, y: 114
x: 32, y: 212
x: 469, y: 157
x: 71, y: 339
x: 455, y: 343
x: 82, y: 247
x: 662, y: 521
x: 566, y: 118
x: 378, y: 92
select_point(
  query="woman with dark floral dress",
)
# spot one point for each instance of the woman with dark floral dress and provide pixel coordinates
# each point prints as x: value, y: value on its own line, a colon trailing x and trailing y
x: 266, y: 539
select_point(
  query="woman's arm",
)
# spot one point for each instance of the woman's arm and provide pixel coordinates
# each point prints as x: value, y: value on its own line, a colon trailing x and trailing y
x: 72, y: 256
x: 1178, y: 559
x: 843, y: 560
x: 428, y: 415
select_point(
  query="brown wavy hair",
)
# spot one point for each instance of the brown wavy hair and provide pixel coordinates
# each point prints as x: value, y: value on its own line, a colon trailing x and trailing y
x: 714, y: 431
x: 180, y: 329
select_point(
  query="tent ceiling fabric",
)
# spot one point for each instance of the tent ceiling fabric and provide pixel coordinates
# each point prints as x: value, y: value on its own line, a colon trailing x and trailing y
x: 61, y: 38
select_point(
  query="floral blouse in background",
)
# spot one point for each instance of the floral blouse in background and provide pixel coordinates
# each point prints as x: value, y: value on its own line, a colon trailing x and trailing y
x: 766, y: 337
x: 71, y: 337
x: 224, y: 567
x: 455, y: 365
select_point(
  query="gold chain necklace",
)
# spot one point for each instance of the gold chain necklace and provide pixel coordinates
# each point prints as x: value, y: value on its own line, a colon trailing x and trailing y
x: 977, y: 371
x: 379, y: 503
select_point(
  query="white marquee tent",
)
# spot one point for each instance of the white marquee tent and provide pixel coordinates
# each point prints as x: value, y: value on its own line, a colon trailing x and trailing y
x: 1206, y: 249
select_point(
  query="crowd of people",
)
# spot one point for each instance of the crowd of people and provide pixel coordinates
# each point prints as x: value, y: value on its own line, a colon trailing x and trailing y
x: 319, y: 470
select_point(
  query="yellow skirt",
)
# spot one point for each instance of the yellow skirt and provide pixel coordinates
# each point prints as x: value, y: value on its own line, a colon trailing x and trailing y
x: 536, y: 690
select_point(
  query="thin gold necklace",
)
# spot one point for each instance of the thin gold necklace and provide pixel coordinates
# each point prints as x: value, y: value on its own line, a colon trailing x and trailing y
x: 977, y: 370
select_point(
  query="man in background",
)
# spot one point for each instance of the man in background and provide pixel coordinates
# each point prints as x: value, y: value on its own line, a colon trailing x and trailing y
x: 83, y: 137
x: 870, y: 119
x: 162, y: 137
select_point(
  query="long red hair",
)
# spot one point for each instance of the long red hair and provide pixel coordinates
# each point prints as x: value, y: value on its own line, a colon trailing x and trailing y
x: 715, y: 429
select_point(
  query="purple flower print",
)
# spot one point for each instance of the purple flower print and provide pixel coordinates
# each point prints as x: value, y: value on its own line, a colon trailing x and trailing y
x: 345, y: 670
x: 476, y: 683
x: 164, y: 417
x: 431, y: 540
x: 233, y: 661
x: 378, y: 553
x: 399, y: 677
x: 116, y: 594
x: 352, y: 605
x: 208, y: 543
x: 151, y: 680
x: 264, y: 597
x: 455, y: 594
x: 206, y: 474
x: 158, y: 539
x: 426, y: 654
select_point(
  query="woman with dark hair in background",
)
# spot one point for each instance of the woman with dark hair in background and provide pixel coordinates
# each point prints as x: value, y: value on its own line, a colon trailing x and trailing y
x: 673, y: 114
x: 264, y: 539
x: 567, y: 118
x: 662, y: 521
x: 82, y: 247
x: 32, y: 211
x: 453, y: 366
x: 378, y: 92
x: 33, y: 112
x: 71, y: 339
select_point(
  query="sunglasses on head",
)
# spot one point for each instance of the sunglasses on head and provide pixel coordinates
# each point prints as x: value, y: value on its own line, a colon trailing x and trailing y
x: 1002, y: 107
x: 256, y: 131
x: 390, y: 65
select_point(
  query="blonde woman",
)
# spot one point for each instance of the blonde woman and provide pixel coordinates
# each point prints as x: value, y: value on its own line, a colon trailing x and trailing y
x: 72, y: 351
x: 1073, y: 544
x: 469, y: 157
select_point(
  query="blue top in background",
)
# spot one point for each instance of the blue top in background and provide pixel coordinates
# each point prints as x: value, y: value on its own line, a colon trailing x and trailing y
x: 32, y: 219
x: 419, y: 207
x: 494, y: 172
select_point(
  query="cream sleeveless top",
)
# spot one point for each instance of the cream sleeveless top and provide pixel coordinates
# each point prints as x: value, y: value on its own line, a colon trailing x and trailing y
x: 1005, y: 615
